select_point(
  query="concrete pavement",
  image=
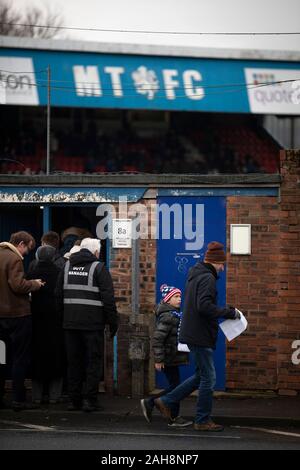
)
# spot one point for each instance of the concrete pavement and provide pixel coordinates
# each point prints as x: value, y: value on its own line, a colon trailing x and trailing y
x: 239, y: 410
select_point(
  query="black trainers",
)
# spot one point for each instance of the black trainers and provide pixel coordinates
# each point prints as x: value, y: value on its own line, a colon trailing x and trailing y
x: 179, y: 422
x: 147, y: 409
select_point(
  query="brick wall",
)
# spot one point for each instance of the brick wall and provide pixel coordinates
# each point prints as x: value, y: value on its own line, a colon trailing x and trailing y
x: 252, y: 284
x: 289, y: 273
x: 265, y: 285
x: 131, y: 327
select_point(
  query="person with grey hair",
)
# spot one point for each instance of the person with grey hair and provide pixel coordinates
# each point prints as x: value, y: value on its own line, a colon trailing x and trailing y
x: 85, y: 294
x: 91, y: 244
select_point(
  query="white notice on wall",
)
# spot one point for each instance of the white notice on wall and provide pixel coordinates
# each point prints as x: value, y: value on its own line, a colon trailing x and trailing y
x: 233, y: 328
x: 121, y: 231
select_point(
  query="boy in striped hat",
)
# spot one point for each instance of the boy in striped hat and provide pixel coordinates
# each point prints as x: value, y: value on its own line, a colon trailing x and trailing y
x: 167, y: 358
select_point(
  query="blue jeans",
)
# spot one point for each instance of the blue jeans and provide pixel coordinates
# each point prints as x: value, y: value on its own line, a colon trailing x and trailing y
x: 203, y: 379
x: 173, y: 377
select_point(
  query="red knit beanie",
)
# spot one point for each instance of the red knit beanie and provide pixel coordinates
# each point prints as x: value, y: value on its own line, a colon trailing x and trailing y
x: 215, y: 253
x: 168, y: 291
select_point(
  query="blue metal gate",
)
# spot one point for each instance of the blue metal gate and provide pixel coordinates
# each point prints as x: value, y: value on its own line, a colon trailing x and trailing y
x: 183, y: 235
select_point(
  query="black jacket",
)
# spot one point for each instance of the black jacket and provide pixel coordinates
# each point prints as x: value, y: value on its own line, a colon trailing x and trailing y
x: 165, y: 337
x: 199, y: 324
x: 47, y: 341
x: 83, y: 317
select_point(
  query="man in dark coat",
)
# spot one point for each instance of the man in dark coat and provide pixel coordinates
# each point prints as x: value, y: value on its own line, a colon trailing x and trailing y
x: 47, y: 341
x: 86, y: 295
x: 199, y: 330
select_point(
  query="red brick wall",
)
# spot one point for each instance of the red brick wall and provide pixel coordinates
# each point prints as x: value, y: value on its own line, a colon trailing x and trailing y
x: 252, y: 285
x: 121, y: 271
x: 265, y: 285
x: 289, y: 273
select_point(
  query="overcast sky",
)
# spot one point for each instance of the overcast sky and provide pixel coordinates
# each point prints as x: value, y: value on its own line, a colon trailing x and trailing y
x: 180, y: 15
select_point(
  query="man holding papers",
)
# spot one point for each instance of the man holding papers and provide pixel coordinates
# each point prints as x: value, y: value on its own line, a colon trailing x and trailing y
x: 199, y: 330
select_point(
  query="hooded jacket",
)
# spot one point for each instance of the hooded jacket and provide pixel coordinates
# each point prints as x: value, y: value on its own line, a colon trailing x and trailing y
x: 47, y: 338
x: 58, y: 260
x: 86, y: 317
x: 165, y: 337
x: 14, y: 288
x: 199, y: 326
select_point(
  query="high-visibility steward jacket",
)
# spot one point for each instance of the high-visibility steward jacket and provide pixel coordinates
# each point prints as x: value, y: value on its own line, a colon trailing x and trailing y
x: 83, y: 307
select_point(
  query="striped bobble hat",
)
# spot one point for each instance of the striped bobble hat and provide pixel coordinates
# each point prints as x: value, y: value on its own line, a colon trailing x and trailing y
x: 168, y: 291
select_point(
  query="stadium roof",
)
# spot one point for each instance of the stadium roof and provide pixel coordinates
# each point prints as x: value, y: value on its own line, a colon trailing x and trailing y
x: 142, y: 49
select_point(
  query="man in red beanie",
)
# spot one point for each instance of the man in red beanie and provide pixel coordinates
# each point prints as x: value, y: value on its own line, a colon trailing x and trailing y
x: 199, y: 330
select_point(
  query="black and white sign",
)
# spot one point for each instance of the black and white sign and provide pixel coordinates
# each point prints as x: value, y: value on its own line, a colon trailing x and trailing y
x: 121, y: 229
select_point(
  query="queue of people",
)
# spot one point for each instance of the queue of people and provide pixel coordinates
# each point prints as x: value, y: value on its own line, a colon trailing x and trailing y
x: 53, y: 319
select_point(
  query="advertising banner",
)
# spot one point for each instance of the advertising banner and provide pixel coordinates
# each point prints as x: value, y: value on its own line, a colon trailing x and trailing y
x: 99, y: 80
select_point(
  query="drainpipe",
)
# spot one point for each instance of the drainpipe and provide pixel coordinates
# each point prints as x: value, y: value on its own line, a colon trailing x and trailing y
x: 139, y: 342
x: 135, y: 284
x: 115, y: 339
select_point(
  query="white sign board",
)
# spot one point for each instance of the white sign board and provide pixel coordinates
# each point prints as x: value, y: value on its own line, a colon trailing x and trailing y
x: 240, y: 239
x: 17, y: 81
x: 267, y: 96
x: 121, y: 233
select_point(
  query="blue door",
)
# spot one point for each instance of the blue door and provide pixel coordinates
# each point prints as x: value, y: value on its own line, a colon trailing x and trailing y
x: 185, y: 226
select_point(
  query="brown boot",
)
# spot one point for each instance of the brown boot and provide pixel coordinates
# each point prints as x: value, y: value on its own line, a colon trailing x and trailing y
x: 209, y: 426
x: 165, y: 411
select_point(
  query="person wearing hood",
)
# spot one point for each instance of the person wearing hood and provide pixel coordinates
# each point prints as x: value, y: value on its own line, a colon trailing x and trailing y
x: 50, y: 239
x: 15, y: 313
x: 85, y: 294
x: 199, y: 330
x: 47, y: 341
x: 166, y: 356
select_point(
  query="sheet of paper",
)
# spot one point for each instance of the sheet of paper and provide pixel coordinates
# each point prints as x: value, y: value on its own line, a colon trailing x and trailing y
x: 233, y: 328
x: 182, y: 347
